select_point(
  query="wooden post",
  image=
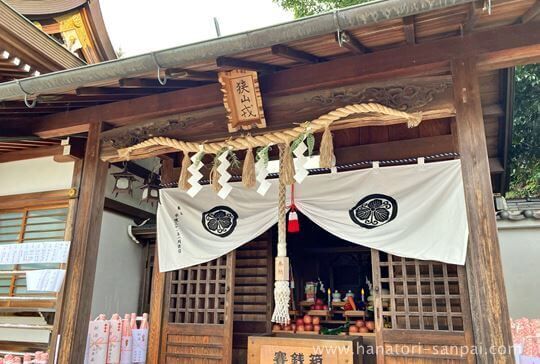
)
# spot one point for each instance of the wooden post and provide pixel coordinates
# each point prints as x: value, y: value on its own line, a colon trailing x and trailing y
x: 489, y: 308
x: 81, y: 270
x: 158, y: 286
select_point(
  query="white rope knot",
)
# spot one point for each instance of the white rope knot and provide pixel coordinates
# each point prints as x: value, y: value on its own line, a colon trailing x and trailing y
x: 282, y: 294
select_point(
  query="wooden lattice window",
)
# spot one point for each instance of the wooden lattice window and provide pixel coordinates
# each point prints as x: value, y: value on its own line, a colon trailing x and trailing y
x: 28, y: 225
x: 420, y: 295
x: 197, y: 294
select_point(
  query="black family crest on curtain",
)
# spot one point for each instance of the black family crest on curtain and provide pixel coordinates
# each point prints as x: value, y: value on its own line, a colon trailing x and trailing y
x: 220, y: 221
x: 374, y: 210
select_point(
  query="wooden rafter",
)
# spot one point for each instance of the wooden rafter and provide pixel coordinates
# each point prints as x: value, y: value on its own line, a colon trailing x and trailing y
x: 95, y: 91
x: 347, y: 40
x: 232, y: 63
x: 531, y: 13
x: 181, y: 73
x: 498, y: 48
x: 295, y: 54
x: 409, y: 29
x: 154, y: 83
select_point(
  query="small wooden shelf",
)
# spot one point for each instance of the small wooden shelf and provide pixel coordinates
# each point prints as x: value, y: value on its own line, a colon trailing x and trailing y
x: 323, y: 313
x: 307, y: 333
x: 354, y: 313
x: 361, y: 333
x: 292, y: 333
x: 333, y: 322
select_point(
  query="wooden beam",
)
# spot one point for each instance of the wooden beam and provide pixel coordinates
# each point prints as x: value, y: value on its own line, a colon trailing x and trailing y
x: 347, y: 40
x: 37, y: 199
x: 73, y: 150
x: 127, y: 210
x: 149, y: 84
x: 489, y: 306
x: 233, y: 63
x: 472, y: 18
x: 532, y: 13
x: 158, y: 288
x: 295, y: 54
x: 101, y: 91
x: 409, y: 30
x: 182, y: 73
x: 400, y: 149
x: 79, y: 281
x: 210, y: 124
x: 31, y: 153
x: 493, y: 47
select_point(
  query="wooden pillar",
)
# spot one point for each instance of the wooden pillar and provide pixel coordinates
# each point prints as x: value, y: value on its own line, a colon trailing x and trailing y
x: 158, y: 286
x: 79, y: 284
x: 489, y: 308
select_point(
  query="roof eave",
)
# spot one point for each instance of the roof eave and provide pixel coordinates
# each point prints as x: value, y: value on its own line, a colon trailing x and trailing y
x: 343, y: 19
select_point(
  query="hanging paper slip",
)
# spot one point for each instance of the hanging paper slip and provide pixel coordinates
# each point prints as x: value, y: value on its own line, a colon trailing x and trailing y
x: 32, y: 253
x: 98, y: 335
x: 140, y: 345
x: 115, y: 336
x: 45, y: 280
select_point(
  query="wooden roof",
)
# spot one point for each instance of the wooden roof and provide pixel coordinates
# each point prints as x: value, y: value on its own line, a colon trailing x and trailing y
x: 189, y: 105
x: 45, y: 7
x: 24, y: 49
x: 449, y: 22
x: 91, y: 10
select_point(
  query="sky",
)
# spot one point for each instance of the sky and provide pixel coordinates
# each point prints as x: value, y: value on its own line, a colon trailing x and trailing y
x: 137, y: 26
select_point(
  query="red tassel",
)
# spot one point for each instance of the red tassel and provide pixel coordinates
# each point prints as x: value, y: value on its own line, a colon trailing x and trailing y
x: 293, y: 226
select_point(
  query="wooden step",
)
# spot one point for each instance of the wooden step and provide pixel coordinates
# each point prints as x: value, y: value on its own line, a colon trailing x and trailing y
x: 250, y: 299
x: 251, y: 281
x: 252, y: 263
x: 251, y: 272
x: 250, y: 290
x: 249, y: 317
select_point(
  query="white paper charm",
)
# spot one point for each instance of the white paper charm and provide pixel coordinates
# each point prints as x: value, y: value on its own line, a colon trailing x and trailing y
x: 140, y: 345
x: 261, y: 173
x: 115, y: 336
x: 196, y: 165
x: 301, y: 171
x: 224, y: 175
x: 98, y: 338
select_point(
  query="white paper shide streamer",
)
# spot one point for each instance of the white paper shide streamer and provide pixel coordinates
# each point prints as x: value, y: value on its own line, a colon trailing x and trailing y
x: 223, y: 180
x: 261, y: 173
x: 301, y: 171
x: 196, y: 165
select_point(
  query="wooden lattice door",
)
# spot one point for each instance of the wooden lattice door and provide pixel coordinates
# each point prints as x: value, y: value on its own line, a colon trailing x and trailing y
x: 422, y: 312
x: 198, y: 316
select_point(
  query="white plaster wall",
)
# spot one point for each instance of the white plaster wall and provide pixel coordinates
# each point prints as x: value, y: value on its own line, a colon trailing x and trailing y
x: 119, y: 268
x: 34, y: 175
x: 520, y: 253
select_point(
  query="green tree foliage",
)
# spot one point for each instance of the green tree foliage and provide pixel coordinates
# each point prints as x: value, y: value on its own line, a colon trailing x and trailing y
x: 301, y: 8
x: 525, y: 151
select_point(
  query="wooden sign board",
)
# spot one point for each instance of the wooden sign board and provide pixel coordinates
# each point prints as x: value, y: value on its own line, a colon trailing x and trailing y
x: 273, y: 349
x: 242, y: 99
